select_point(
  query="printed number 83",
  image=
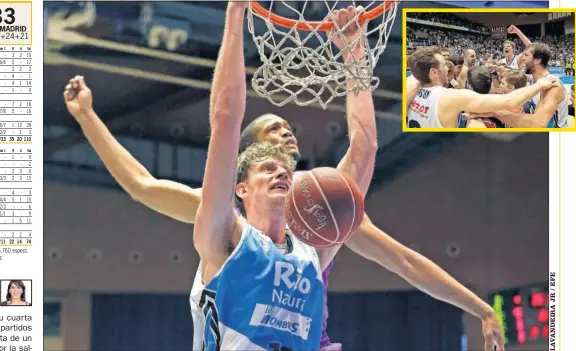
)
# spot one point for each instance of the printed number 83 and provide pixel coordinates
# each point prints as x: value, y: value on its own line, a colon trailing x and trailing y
x: 9, y: 13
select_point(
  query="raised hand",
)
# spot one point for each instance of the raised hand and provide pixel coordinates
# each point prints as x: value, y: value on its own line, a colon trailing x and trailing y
x: 350, y: 36
x: 78, y: 97
x: 239, y: 4
x: 493, y: 335
x: 513, y: 29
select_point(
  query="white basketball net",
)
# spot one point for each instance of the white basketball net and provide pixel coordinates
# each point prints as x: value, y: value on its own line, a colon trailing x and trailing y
x: 306, y: 67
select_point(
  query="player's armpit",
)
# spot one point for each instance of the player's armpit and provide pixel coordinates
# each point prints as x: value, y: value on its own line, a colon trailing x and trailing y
x: 326, y: 255
x: 216, y: 217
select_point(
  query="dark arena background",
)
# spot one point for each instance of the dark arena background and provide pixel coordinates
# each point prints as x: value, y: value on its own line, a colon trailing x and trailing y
x: 118, y: 275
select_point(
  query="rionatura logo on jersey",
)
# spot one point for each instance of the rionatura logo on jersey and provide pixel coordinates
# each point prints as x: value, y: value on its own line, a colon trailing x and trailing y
x: 290, y: 287
x: 290, y: 290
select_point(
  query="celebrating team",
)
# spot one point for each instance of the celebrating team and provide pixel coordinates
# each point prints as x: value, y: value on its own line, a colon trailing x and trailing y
x: 516, y: 92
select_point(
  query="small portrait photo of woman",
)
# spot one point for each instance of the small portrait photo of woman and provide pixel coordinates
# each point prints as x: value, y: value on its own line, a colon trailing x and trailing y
x: 18, y: 292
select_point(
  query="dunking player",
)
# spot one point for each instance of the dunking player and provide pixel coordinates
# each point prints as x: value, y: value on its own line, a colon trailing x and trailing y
x: 434, y: 106
x: 358, y: 163
x: 181, y: 203
x: 249, y: 266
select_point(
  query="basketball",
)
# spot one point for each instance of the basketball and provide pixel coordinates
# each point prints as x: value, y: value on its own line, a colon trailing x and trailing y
x: 324, y: 207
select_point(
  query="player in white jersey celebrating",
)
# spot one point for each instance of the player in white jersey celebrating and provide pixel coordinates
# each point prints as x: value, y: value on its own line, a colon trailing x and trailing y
x: 511, y: 60
x: 550, y: 108
x: 434, y: 106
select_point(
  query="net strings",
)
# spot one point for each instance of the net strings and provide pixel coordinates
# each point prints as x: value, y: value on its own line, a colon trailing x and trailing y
x: 294, y: 70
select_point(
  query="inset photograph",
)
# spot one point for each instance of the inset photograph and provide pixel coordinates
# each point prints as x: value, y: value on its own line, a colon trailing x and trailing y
x: 16, y: 292
x: 489, y: 70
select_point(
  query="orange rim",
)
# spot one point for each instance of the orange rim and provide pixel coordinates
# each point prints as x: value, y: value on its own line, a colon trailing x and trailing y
x: 322, y: 26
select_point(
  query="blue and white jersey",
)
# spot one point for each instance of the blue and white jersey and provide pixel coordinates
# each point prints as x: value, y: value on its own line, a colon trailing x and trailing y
x: 511, y: 65
x: 560, y: 117
x: 261, y: 299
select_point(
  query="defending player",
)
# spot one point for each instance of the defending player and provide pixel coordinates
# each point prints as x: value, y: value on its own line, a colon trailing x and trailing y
x: 437, y: 107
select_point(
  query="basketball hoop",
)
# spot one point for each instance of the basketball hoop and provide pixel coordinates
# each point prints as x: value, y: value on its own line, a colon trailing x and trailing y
x: 301, y: 65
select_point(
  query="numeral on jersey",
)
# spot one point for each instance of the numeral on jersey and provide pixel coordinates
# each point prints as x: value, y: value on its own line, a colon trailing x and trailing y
x: 207, y: 304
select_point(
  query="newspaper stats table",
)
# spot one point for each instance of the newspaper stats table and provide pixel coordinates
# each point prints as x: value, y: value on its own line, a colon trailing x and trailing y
x: 16, y: 121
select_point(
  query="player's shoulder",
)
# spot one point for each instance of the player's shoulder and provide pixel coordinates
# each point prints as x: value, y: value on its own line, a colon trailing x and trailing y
x: 560, y: 92
x: 556, y: 94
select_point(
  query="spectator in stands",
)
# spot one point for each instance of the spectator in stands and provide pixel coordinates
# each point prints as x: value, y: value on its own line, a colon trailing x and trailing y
x: 458, y: 40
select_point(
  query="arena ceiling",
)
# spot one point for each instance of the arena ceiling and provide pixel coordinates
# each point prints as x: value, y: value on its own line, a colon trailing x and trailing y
x: 503, y: 19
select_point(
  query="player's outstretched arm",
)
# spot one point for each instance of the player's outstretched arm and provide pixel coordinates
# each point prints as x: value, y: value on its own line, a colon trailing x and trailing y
x: 375, y: 245
x: 541, y: 116
x: 359, y: 160
x: 167, y: 197
x: 469, y: 100
x: 217, y: 224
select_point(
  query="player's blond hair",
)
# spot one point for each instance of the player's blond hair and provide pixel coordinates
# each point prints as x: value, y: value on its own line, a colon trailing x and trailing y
x: 258, y: 152
x: 516, y: 78
x: 509, y: 42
